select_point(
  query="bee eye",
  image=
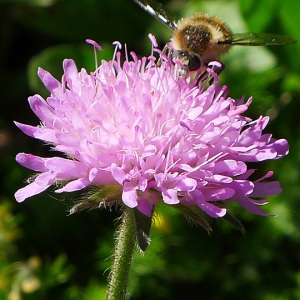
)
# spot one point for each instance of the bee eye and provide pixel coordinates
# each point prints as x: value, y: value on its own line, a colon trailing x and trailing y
x: 194, y: 62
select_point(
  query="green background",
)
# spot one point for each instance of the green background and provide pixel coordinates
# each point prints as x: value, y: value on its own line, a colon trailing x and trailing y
x: 46, y: 254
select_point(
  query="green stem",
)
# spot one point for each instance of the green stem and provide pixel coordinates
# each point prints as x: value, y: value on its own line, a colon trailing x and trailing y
x: 125, y: 242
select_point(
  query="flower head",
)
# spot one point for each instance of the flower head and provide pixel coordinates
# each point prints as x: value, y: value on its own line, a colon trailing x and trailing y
x: 138, y: 127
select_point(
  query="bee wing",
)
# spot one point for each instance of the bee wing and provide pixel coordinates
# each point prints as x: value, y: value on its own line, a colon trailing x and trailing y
x: 260, y: 39
x: 156, y: 10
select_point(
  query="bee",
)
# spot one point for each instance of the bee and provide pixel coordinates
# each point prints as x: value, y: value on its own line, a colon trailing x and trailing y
x: 199, y: 38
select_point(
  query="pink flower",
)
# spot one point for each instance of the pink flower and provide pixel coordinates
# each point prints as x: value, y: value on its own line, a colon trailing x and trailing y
x: 153, y: 135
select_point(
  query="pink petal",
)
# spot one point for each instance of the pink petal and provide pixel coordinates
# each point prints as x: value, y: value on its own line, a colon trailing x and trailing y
x: 129, y: 197
x: 145, y: 206
x: 67, y: 168
x: 27, y: 129
x: 170, y: 196
x: 212, y: 210
x: 266, y: 189
x: 32, y: 162
x: 29, y: 191
x: 75, y: 185
x: 52, y: 84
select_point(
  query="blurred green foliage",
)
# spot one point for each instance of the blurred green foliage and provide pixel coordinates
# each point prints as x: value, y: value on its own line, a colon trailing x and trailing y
x: 45, y: 254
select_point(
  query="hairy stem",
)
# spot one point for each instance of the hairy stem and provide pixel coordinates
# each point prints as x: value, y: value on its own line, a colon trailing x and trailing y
x: 125, y: 242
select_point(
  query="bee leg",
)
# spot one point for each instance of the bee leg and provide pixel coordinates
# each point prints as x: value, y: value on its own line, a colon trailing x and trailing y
x: 205, y: 74
x: 167, y: 51
x: 219, y: 69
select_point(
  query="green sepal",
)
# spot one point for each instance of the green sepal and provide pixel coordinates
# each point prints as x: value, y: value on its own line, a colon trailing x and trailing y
x: 195, y: 215
x: 106, y: 195
x: 143, y: 227
x: 234, y: 222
